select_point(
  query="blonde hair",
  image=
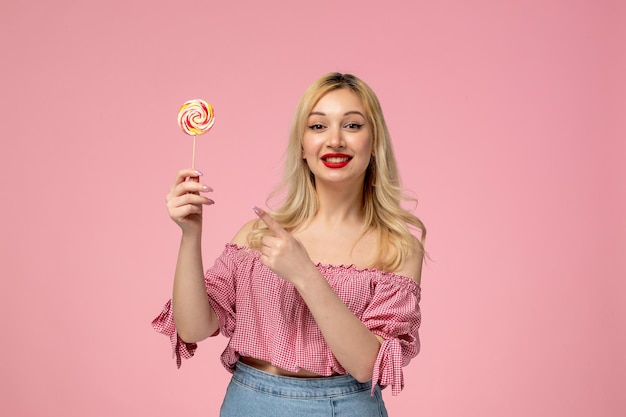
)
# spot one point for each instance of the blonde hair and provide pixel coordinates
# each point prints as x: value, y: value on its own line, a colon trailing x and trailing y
x: 382, y: 193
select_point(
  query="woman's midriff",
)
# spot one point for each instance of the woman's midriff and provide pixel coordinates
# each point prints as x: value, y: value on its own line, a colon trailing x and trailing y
x: 271, y: 369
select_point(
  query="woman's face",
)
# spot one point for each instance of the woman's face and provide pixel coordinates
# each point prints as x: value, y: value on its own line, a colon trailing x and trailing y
x: 337, y: 141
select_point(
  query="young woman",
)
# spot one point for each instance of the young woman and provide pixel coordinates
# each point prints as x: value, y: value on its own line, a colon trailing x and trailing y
x: 320, y: 299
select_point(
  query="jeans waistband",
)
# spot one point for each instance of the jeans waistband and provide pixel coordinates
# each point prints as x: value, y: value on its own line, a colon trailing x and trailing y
x: 320, y: 387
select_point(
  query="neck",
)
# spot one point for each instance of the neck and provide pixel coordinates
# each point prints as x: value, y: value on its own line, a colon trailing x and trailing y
x: 339, y: 204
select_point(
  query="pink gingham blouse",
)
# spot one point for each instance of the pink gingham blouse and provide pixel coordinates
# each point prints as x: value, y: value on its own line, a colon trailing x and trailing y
x: 266, y: 318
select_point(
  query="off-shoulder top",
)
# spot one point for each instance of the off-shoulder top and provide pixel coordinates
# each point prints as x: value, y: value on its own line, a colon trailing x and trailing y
x: 266, y: 318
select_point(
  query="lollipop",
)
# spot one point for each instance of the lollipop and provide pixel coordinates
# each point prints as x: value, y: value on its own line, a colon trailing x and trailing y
x: 195, y: 117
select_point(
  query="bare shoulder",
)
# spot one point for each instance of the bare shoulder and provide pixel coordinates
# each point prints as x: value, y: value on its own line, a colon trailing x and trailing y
x: 412, y: 265
x: 241, y: 238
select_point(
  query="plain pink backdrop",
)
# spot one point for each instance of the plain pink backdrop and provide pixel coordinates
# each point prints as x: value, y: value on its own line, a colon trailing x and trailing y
x: 508, y: 123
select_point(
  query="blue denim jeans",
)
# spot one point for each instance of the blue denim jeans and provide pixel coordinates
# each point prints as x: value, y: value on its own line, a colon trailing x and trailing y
x: 254, y: 393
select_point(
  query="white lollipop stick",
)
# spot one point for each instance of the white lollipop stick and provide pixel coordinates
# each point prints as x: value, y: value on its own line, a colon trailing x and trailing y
x: 193, y: 156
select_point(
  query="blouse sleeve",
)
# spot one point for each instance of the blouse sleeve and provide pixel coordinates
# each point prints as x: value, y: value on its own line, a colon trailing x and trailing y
x: 394, y: 315
x: 220, y: 285
x: 164, y: 324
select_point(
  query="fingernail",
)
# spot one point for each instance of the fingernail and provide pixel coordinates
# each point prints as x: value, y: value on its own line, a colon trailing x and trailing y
x: 257, y: 210
x: 211, y: 202
x: 198, y: 172
x: 206, y: 188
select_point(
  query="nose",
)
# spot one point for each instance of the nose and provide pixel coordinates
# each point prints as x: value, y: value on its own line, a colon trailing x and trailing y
x: 335, y: 138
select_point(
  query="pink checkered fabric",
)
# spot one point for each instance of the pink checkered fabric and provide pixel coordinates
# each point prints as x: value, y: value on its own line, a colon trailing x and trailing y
x: 265, y: 317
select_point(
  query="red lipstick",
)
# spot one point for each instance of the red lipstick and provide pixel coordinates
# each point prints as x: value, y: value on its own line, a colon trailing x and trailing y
x: 335, y: 160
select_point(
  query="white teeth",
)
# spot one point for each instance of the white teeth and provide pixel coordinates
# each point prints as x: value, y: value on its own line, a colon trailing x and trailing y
x: 337, y: 159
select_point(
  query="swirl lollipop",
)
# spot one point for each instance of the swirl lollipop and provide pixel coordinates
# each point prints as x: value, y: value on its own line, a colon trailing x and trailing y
x: 195, y: 117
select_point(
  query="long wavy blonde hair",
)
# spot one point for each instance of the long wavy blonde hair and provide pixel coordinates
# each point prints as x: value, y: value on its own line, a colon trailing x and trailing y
x: 382, y: 193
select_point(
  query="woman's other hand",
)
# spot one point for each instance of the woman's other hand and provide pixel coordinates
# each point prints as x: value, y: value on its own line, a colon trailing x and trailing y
x: 283, y: 253
x: 184, y: 201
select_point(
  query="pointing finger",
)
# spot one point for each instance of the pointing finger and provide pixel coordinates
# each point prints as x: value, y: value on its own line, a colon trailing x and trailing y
x: 272, y: 224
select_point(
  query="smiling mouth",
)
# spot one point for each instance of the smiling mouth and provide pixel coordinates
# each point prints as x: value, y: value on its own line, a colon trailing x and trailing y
x: 336, y: 159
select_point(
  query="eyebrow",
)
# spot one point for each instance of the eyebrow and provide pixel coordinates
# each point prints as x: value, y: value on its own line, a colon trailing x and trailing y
x: 319, y: 113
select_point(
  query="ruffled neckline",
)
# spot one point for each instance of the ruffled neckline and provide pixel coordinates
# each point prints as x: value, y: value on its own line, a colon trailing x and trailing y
x: 350, y: 268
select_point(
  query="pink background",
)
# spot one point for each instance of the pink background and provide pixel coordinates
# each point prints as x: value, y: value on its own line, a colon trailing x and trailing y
x: 508, y: 123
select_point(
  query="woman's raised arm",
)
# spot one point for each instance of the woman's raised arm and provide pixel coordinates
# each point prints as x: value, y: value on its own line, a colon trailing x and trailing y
x: 194, y: 318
